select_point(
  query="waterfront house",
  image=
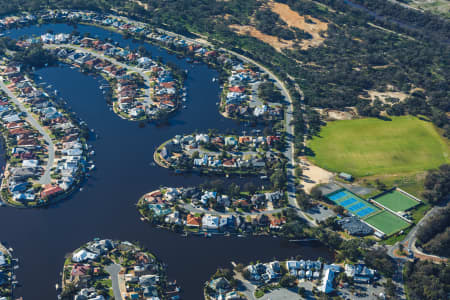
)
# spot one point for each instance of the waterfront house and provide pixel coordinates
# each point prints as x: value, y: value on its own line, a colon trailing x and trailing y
x: 210, y: 222
x: 193, y: 221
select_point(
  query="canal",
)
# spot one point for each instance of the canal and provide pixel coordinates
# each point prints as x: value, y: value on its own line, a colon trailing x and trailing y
x: 105, y: 207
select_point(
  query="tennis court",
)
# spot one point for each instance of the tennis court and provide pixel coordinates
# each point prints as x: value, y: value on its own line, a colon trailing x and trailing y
x: 352, y: 203
x: 396, y: 200
x: 387, y: 222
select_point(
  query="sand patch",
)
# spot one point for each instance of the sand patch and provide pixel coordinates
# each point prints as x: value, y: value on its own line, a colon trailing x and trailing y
x: 294, y: 19
x: 315, y: 27
x: 339, y: 115
x: 313, y: 175
x: 384, y: 96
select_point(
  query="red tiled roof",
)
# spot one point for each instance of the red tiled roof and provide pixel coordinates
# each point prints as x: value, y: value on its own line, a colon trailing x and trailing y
x: 50, y: 190
x: 193, y: 221
x: 237, y: 89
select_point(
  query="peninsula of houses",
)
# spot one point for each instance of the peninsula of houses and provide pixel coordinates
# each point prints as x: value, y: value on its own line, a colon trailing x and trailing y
x: 106, y: 269
x: 47, y: 154
x: 221, y: 153
x: 207, y: 212
x: 142, y: 88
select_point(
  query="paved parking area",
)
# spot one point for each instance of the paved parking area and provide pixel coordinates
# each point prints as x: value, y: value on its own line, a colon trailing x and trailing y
x: 281, y: 294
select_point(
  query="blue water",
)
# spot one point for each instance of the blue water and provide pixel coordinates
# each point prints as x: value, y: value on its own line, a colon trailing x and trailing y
x: 364, y: 212
x: 338, y: 196
x: 124, y: 172
x: 355, y: 207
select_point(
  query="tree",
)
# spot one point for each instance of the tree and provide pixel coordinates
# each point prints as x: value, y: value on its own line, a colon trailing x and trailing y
x: 288, y: 281
x: 437, y: 184
x: 303, y: 200
x: 316, y: 193
x: 278, y: 179
x: 390, y: 289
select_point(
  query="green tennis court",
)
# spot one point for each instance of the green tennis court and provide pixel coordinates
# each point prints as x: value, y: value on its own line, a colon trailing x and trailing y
x: 396, y: 200
x: 387, y: 222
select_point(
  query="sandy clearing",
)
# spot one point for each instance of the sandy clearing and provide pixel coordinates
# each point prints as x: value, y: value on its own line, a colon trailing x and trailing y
x: 294, y: 19
x: 339, y: 115
x: 384, y: 95
x: 313, y: 175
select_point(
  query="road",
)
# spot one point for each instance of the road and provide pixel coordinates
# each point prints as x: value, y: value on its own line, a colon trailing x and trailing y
x: 410, y: 239
x: 147, y: 99
x: 289, y: 126
x: 113, y: 270
x: 45, y: 178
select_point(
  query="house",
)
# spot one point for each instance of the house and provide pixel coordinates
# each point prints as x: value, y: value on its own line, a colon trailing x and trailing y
x: 83, y: 255
x: 360, y: 273
x: 346, y: 176
x: 50, y: 190
x: 202, y: 138
x: 221, y: 285
x: 147, y: 280
x: 230, y: 141
x: 210, y: 222
x: 327, y: 282
x: 193, y: 221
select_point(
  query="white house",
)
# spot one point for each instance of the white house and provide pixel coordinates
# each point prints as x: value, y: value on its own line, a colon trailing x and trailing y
x: 210, y: 222
x: 83, y: 255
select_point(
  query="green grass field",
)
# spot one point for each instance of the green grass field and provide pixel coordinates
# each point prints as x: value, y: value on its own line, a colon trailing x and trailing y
x: 387, y: 222
x: 371, y: 146
x: 396, y: 201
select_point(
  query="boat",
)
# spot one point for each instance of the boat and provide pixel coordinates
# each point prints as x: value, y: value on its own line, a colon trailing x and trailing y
x: 184, y: 106
x: 91, y: 167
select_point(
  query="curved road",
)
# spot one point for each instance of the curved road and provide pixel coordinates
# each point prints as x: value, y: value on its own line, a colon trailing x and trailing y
x: 45, y: 178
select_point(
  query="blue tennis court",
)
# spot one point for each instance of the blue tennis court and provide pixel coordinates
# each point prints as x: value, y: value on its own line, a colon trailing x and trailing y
x: 364, y: 212
x: 352, y: 203
x: 355, y: 207
x: 338, y: 196
x: 347, y: 202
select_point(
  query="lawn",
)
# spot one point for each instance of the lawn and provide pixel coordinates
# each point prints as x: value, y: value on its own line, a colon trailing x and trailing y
x: 387, y: 222
x: 371, y: 146
x: 396, y: 201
